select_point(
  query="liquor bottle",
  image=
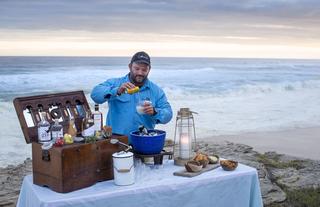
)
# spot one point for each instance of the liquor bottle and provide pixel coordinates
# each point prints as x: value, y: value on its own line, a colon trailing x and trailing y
x: 81, y: 110
x: 88, y: 127
x: 72, y: 130
x: 44, y: 135
x: 97, y: 118
x: 56, y: 130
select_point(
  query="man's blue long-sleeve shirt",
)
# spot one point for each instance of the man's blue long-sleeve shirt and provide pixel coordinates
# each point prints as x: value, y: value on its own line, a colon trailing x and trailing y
x: 122, y: 115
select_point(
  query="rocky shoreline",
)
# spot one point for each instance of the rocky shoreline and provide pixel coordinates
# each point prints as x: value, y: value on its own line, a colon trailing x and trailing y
x: 284, y: 180
x: 11, y: 179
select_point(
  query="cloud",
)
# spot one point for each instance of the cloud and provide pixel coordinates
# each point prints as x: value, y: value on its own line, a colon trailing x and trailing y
x: 235, y: 21
x: 159, y: 15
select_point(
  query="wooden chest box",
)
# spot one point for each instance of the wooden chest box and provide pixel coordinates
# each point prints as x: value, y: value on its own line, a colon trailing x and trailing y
x: 71, y: 167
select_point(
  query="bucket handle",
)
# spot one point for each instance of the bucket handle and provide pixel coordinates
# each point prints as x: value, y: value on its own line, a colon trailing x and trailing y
x: 123, y: 170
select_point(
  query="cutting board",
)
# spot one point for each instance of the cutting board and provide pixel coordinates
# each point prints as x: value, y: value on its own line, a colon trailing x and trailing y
x: 185, y: 173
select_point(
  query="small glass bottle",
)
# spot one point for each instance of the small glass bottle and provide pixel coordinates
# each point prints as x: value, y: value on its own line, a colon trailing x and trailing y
x: 72, y: 130
x: 87, y: 128
x: 80, y: 109
x: 56, y: 130
x: 97, y: 118
x: 44, y: 135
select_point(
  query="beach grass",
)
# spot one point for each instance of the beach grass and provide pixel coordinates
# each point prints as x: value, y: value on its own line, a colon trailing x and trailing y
x: 276, y: 163
x: 303, y: 197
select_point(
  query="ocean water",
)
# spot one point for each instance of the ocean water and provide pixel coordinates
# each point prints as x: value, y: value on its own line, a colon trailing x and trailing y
x: 231, y: 96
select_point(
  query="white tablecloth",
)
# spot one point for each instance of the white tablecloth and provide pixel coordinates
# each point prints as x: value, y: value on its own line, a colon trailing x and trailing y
x: 156, y: 187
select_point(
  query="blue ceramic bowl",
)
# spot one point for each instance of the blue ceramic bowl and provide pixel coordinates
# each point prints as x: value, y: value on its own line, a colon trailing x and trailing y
x: 148, y: 145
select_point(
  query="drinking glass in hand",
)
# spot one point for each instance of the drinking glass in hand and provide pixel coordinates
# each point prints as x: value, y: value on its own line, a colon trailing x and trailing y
x: 141, y: 105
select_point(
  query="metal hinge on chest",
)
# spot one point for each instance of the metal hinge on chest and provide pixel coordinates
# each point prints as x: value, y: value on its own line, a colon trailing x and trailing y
x: 46, y: 155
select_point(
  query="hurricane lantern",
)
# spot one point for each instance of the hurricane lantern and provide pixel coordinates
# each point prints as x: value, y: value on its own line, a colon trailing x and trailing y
x: 184, y: 137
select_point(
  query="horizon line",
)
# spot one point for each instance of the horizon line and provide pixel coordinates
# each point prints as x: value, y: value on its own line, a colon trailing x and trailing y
x: 194, y: 57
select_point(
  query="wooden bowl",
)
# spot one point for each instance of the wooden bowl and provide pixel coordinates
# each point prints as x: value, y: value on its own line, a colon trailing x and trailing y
x: 228, y: 165
x: 193, y: 166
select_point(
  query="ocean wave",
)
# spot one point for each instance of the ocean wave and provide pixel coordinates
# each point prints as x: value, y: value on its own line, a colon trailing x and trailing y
x: 312, y: 86
x: 284, y: 87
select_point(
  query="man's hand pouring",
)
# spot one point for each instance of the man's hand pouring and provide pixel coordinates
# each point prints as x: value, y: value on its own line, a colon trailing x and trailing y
x: 124, y: 87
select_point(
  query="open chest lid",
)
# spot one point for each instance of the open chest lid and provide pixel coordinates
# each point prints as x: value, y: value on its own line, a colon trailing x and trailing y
x: 62, y: 106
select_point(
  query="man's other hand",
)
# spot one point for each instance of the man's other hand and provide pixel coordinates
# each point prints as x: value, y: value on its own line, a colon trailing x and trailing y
x: 148, y: 108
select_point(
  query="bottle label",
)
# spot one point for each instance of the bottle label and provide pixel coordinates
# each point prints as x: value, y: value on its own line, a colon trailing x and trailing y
x: 88, y: 132
x: 43, y: 134
x: 97, y: 122
x: 56, y: 134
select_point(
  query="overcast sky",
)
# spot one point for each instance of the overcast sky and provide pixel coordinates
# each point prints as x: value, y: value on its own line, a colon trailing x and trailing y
x: 234, y: 28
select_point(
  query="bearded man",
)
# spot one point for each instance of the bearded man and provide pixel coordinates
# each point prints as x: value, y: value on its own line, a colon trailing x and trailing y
x: 149, y: 106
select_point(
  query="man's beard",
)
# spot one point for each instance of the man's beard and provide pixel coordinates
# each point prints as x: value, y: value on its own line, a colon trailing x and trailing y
x: 139, y: 79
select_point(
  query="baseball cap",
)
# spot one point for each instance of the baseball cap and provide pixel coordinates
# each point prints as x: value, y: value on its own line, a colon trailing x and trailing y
x: 141, y: 57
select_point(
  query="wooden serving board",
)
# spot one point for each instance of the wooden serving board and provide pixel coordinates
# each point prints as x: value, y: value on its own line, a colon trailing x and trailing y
x: 185, y: 173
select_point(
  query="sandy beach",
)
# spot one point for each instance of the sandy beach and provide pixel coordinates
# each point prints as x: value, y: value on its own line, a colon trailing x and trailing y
x: 300, y: 142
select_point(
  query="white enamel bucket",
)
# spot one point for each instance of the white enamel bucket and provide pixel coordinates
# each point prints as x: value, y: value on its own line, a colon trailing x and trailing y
x: 123, y: 168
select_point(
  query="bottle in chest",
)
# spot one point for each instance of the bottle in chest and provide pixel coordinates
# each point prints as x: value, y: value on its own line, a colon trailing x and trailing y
x: 97, y: 118
x: 44, y: 134
x: 56, y: 130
